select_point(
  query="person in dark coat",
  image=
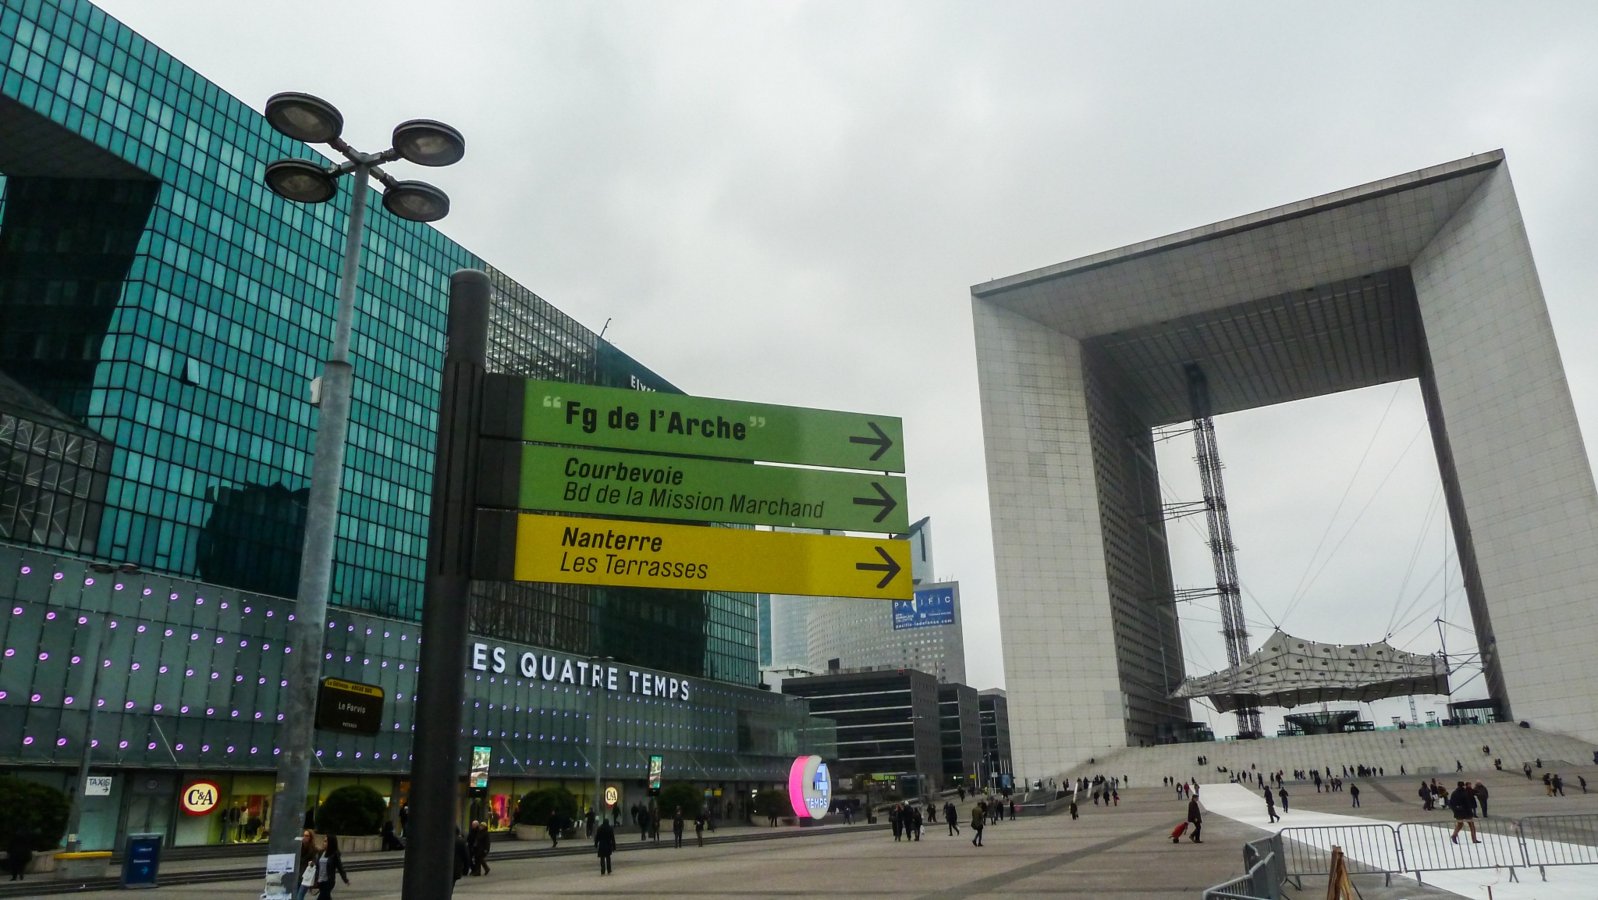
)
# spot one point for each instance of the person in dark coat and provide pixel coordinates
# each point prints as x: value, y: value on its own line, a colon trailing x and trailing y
x: 1481, y: 797
x: 896, y: 819
x: 952, y: 816
x: 914, y: 828
x: 391, y: 840
x: 556, y: 823
x: 463, y: 856
x: 477, y: 843
x: 699, y: 827
x: 329, y: 864
x: 979, y: 815
x: 18, y: 853
x: 1281, y: 793
x: 1270, y: 805
x: 1195, y: 817
x: 604, y: 844
x: 1463, y: 804
x: 676, y: 827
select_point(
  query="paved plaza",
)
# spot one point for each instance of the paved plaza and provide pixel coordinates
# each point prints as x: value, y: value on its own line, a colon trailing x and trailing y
x: 1124, y: 851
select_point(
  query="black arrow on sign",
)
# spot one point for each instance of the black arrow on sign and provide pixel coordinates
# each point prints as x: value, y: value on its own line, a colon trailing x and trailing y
x: 882, y: 441
x: 891, y: 568
x: 883, y: 499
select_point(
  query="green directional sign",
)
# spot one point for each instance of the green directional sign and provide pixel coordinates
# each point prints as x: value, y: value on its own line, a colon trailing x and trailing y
x: 608, y: 483
x: 619, y: 419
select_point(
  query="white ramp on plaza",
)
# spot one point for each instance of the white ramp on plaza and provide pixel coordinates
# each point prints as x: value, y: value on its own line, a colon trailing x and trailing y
x: 1246, y: 805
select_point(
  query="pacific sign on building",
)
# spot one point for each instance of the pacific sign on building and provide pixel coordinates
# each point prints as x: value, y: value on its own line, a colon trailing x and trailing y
x: 614, y: 452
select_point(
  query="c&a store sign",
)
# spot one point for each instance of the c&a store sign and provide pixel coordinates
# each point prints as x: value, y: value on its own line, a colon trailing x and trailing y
x: 561, y: 669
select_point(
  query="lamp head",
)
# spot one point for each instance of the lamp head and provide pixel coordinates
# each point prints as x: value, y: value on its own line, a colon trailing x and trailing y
x: 304, y: 117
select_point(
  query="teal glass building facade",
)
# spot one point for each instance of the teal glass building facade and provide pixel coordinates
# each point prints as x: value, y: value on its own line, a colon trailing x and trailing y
x: 154, y: 290
x: 162, y: 315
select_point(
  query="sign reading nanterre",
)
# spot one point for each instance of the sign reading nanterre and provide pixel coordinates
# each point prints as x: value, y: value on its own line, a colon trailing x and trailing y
x: 566, y: 550
x: 557, y: 412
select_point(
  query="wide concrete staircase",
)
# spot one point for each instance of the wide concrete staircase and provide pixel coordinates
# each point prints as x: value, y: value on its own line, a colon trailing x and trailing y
x: 1414, y: 751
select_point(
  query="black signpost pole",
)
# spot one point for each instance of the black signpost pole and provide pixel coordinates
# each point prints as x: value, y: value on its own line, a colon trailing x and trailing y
x: 440, y: 683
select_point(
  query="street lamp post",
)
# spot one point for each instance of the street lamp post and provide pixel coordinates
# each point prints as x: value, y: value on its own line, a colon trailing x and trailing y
x: 422, y: 141
x: 601, y: 705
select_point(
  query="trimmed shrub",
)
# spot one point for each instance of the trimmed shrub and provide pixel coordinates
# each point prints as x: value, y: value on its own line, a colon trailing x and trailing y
x: 36, y: 813
x: 679, y: 793
x: 352, y: 809
x: 773, y: 802
x: 537, y: 805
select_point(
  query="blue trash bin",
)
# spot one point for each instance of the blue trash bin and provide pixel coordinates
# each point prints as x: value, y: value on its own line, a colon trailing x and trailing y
x: 142, y: 862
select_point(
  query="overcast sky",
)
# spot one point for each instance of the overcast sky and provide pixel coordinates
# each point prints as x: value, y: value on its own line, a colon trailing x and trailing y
x: 788, y: 203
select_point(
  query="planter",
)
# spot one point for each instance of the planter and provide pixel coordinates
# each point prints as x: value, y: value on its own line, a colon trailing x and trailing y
x: 530, y: 832
x: 43, y: 861
x: 82, y: 866
x: 360, y: 843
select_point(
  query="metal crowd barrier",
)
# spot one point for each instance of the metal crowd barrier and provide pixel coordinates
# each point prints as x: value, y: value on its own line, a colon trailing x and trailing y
x: 1420, y: 847
x: 1263, y: 878
x: 1559, y: 841
x: 1430, y: 847
x: 1368, y: 850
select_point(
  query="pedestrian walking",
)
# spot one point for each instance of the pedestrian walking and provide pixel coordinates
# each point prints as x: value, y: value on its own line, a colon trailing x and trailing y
x: 305, y: 864
x: 1281, y: 792
x: 1353, y: 794
x: 676, y: 827
x: 1195, y: 817
x: 952, y: 816
x: 896, y: 820
x: 604, y: 844
x: 463, y: 856
x: 477, y: 844
x: 1463, y: 804
x: 556, y: 823
x: 1481, y: 797
x: 329, y: 865
x: 978, y: 814
x: 19, y: 852
x: 699, y: 827
x: 1270, y: 805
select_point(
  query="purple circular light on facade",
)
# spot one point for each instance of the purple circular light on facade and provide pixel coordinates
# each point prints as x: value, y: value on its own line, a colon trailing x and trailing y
x: 118, y: 586
x: 27, y: 741
x: 140, y: 630
x: 280, y: 717
x: 34, y: 698
x: 172, y: 596
x: 135, y: 667
x: 162, y: 670
x: 3, y: 695
x: 122, y: 745
x: 244, y: 643
x: 194, y: 635
x: 199, y: 601
x: 167, y: 633
x: 88, y: 581
x: 270, y: 613
x: 238, y: 679
x: 210, y: 710
x: 219, y: 639
x: 27, y: 570
x: 215, y: 675
x: 76, y: 660
x: 184, y: 709
x: 43, y: 655
x: 99, y: 703
x: 248, y: 610
x: 150, y: 746
x: 148, y: 592
x: 205, y: 748
x: 49, y: 616
x: 224, y: 604
x: 283, y: 684
x: 66, y: 701
x: 158, y: 707
x: 178, y: 747
x: 128, y: 705
x: 261, y: 680
x: 188, y: 673
x: 113, y: 624
x: 105, y: 664
x: 83, y: 620
x: 255, y: 749
x: 59, y: 575
x: 230, y: 748
x: 10, y: 652
x: 258, y: 715
x: 17, y: 611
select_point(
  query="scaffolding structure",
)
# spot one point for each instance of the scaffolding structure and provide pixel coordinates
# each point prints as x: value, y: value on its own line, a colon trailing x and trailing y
x: 1222, y: 551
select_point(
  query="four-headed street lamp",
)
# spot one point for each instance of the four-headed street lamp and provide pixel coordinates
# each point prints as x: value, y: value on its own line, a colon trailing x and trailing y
x: 421, y: 141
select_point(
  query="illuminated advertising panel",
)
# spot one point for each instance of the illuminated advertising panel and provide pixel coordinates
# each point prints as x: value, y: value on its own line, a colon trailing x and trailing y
x: 930, y: 607
x: 480, y: 759
x: 809, y: 787
x: 657, y: 767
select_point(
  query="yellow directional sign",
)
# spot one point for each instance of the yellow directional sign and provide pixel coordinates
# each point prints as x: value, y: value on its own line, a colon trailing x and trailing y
x: 568, y: 550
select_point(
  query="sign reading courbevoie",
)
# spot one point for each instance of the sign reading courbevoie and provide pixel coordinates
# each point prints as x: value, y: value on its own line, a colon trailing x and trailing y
x: 611, y: 452
x: 603, y: 482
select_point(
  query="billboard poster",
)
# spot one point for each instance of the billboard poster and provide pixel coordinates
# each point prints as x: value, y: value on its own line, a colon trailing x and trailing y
x: 657, y: 768
x: 931, y: 606
x: 480, y: 760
